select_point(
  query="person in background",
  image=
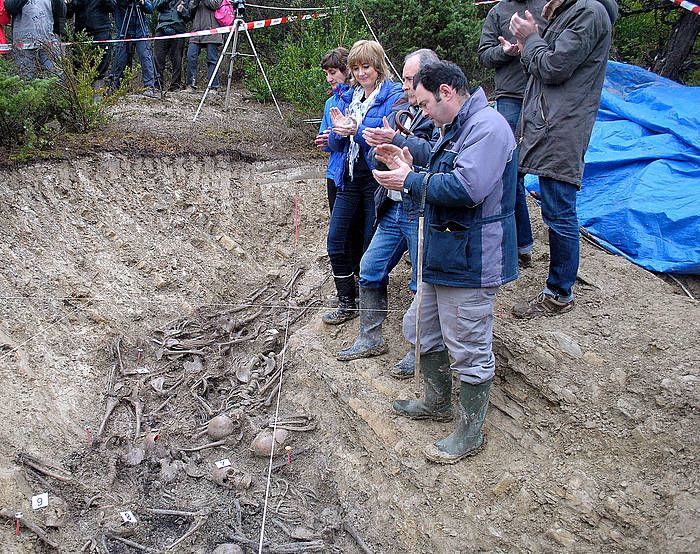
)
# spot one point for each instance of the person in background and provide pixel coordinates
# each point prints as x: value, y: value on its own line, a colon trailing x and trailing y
x: 172, y: 20
x: 335, y: 66
x: 368, y: 102
x: 132, y: 23
x: 4, y: 20
x: 498, y: 50
x: 470, y: 250
x: 566, y: 67
x: 397, y: 220
x: 36, y: 26
x: 202, y: 12
x: 94, y: 17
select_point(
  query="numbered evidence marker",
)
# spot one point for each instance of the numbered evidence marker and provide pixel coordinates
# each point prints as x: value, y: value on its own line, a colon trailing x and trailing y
x: 40, y: 501
x: 223, y: 463
x: 128, y: 517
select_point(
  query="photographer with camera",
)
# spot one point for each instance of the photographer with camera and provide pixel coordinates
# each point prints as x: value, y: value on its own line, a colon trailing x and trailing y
x: 94, y: 17
x: 203, y: 18
x: 130, y: 22
x: 173, y: 16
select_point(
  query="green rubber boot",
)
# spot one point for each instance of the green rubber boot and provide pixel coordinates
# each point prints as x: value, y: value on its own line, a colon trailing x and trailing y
x: 467, y: 439
x: 436, y: 403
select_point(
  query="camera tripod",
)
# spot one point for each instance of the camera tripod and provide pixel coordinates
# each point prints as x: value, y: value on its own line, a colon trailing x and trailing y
x: 238, y: 25
x: 144, y: 31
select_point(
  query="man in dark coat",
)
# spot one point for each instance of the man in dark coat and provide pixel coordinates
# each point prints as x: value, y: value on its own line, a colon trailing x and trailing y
x: 396, y: 220
x: 566, y: 66
x: 498, y: 50
x: 470, y: 250
x: 94, y: 17
x: 172, y: 20
x: 130, y: 20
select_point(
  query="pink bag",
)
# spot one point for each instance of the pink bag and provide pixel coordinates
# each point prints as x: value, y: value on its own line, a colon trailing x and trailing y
x: 225, y: 14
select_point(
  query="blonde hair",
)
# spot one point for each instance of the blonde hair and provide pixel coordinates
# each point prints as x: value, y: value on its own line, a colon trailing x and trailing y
x: 368, y: 52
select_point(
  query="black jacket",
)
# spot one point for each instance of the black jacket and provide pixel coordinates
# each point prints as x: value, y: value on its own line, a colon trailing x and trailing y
x: 171, y: 21
x: 58, y: 7
x: 92, y: 16
x: 510, y: 78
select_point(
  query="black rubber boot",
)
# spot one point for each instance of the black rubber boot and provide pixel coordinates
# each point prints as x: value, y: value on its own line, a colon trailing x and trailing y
x: 436, y: 403
x: 369, y: 342
x: 467, y: 439
x: 347, y: 309
x: 406, y: 367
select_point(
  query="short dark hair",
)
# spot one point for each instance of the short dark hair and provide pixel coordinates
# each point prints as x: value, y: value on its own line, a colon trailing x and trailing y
x: 335, y: 59
x: 433, y: 75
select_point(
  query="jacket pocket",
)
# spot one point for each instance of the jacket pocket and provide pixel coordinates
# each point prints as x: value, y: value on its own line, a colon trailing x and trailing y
x: 446, y: 247
x: 473, y: 323
x: 543, y: 109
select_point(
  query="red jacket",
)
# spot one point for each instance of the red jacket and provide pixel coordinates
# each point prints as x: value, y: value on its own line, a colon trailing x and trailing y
x: 4, y: 20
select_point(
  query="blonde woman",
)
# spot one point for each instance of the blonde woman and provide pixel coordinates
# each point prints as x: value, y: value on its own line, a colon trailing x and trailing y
x: 365, y: 105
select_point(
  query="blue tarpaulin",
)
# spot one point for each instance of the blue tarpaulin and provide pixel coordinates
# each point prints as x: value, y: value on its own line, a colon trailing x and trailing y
x: 640, y: 196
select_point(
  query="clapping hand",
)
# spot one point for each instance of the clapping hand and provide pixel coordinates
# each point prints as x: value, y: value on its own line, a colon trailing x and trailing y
x: 321, y: 140
x: 374, y: 136
x: 342, y: 124
x: 399, y: 162
x: 509, y: 48
x: 523, y: 28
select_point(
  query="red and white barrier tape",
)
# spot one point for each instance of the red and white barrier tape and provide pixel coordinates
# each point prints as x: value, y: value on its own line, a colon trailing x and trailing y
x: 217, y: 31
x: 687, y: 5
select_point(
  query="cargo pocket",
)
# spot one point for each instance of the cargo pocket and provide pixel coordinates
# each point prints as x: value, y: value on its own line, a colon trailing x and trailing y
x: 473, y: 323
x: 446, y: 248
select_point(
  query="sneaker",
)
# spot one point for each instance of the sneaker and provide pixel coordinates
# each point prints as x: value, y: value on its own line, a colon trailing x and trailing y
x: 149, y: 93
x: 542, y: 305
x: 190, y: 89
x: 525, y: 260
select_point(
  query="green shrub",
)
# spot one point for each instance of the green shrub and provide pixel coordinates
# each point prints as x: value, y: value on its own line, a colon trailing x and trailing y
x: 26, y: 108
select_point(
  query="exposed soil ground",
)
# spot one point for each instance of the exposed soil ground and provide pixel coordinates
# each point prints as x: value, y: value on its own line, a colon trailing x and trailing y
x: 176, y: 270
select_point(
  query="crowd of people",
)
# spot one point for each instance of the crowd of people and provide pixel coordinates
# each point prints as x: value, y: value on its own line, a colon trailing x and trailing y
x: 38, y: 26
x: 434, y: 148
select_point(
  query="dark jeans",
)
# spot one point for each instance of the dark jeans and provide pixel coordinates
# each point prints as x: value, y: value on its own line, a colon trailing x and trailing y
x: 171, y: 49
x: 559, y: 214
x: 193, y: 50
x: 510, y: 108
x: 354, y: 201
x: 356, y: 234
x: 143, y: 50
x: 103, y: 68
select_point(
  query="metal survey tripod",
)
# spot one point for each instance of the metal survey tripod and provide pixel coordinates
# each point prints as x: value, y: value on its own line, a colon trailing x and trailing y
x: 133, y: 7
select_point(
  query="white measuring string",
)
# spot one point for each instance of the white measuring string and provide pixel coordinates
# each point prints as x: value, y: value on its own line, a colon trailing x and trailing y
x: 279, y: 386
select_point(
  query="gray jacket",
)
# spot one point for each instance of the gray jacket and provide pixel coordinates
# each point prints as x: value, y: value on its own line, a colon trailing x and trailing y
x: 202, y: 13
x: 567, y: 68
x: 510, y: 77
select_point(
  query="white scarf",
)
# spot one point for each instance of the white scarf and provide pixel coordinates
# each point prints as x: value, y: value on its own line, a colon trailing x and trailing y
x: 357, y: 110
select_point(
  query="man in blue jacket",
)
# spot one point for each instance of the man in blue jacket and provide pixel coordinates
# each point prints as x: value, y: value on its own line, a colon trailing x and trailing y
x: 131, y: 23
x: 470, y: 251
x: 396, y: 220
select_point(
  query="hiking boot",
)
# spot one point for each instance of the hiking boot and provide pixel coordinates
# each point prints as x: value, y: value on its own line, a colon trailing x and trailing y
x: 149, y: 93
x: 347, y: 309
x: 525, y: 260
x: 542, y: 305
x: 436, y: 403
x: 369, y: 342
x: 190, y: 89
x: 406, y: 367
x: 467, y: 439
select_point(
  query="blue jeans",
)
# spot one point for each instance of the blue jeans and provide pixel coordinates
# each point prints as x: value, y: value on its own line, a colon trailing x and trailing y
x: 510, y: 108
x: 559, y: 214
x: 35, y: 62
x: 356, y: 199
x: 394, y: 234
x: 193, y: 50
x: 143, y: 50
